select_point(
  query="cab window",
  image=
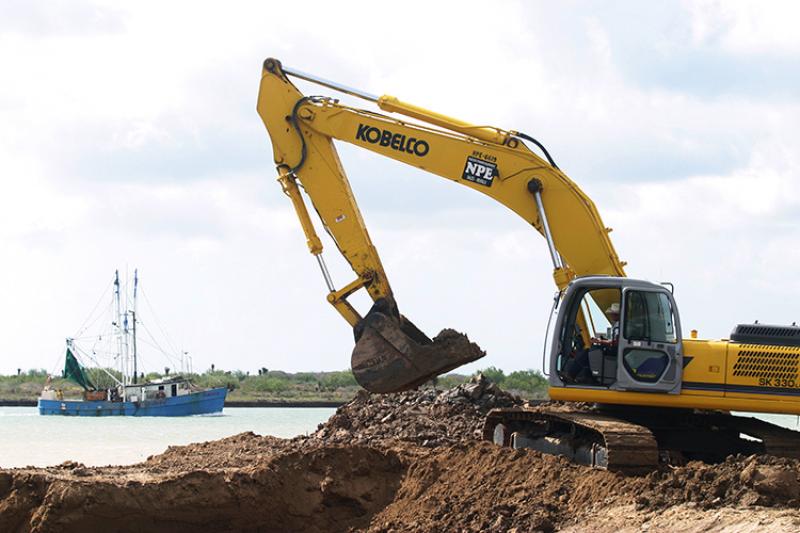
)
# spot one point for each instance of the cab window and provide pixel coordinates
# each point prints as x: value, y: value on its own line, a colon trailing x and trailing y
x: 649, y: 317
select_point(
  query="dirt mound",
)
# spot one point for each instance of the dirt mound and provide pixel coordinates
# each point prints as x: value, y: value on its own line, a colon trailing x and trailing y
x: 328, y: 489
x: 238, y: 451
x: 426, y: 417
x: 481, y: 487
x: 754, y: 480
x: 401, y: 462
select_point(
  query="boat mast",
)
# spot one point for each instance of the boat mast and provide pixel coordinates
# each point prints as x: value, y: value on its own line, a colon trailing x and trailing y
x: 118, y: 324
x: 125, y: 334
x: 133, y: 316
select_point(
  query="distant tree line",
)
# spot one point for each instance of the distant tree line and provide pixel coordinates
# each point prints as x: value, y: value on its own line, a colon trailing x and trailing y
x: 522, y: 381
x: 271, y: 384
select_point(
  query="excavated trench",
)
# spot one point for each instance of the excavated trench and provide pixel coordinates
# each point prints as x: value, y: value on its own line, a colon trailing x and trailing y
x: 327, y: 489
x: 402, y: 462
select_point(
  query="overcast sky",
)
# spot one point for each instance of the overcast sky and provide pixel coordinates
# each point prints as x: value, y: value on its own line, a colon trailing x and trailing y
x: 129, y: 138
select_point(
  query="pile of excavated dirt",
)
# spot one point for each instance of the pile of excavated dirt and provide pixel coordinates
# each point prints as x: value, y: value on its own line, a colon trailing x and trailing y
x: 426, y: 417
x: 401, y: 462
x: 753, y: 480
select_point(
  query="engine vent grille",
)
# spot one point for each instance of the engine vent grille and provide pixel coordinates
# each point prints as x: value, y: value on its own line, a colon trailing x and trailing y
x: 767, y: 334
x: 755, y: 362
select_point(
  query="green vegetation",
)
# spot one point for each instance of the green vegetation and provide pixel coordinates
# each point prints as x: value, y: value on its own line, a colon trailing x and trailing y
x: 273, y: 385
x: 525, y: 383
x: 277, y: 385
x: 28, y: 385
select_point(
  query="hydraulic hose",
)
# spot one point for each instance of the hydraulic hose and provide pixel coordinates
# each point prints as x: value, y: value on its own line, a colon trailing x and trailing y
x: 541, y: 147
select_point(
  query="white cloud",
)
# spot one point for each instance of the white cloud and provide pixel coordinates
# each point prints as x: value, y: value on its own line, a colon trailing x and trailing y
x: 30, y: 204
x: 739, y: 26
x: 117, y: 121
x: 724, y: 240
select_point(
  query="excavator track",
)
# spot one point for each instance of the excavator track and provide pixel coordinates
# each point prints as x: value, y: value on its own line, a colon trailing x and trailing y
x: 776, y: 440
x: 586, y: 438
x: 635, y: 441
x: 713, y: 435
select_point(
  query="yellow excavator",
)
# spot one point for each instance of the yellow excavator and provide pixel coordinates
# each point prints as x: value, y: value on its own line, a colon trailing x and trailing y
x: 635, y: 391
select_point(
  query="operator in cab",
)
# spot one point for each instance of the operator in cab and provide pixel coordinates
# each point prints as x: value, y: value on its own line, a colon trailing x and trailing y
x: 613, y: 316
x: 577, y: 369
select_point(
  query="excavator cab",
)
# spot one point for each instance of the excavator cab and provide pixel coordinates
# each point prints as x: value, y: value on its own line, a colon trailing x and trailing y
x: 619, y: 334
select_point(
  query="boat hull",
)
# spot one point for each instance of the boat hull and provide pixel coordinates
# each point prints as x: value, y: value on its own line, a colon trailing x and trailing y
x: 196, y: 403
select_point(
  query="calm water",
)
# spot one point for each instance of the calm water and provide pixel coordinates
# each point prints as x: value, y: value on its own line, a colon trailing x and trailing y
x: 29, y: 439
x: 26, y: 438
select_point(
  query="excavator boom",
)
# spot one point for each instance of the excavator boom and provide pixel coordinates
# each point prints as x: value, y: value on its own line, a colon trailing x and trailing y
x: 391, y: 354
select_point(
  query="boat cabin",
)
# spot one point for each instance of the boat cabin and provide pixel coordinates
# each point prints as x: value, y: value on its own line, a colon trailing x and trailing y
x: 156, y: 390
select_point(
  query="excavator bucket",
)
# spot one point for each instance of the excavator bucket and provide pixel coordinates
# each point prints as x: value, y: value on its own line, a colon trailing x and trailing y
x: 393, y: 355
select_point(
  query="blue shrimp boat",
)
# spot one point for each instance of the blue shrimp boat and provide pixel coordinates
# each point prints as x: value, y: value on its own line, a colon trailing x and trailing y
x: 193, y: 403
x: 173, y: 397
x: 168, y: 396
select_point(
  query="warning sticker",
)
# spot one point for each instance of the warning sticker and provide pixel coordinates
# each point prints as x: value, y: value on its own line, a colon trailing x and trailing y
x: 479, y: 171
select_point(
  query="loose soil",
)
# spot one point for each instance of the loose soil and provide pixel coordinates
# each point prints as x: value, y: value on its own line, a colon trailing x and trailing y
x: 401, y: 462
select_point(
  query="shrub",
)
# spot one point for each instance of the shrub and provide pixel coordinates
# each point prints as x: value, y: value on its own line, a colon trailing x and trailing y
x: 335, y: 380
x: 526, y: 380
x: 270, y: 384
x: 494, y: 374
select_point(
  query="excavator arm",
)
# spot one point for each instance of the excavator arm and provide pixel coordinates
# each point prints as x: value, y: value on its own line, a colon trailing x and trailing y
x: 391, y: 354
